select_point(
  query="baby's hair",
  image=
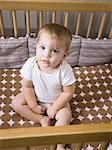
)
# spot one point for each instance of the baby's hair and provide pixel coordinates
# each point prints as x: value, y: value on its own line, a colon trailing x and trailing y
x: 57, y: 31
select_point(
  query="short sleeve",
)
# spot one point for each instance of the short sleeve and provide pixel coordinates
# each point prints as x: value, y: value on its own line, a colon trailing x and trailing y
x: 68, y: 77
x: 26, y: 70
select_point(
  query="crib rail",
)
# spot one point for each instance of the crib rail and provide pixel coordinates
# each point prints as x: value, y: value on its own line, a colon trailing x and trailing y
x: 65, y: 6
x: 52, y: 135
x: 68, y: 5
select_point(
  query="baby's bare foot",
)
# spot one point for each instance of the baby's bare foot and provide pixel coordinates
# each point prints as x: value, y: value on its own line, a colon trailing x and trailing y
x: 45, y: 121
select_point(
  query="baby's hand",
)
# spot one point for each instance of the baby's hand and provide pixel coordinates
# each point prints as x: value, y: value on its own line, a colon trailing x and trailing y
x: 39, y: 109
x: 51, y: 112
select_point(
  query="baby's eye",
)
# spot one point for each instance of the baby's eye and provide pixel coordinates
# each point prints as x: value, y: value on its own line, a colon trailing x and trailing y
x: 42, y: 47
x: 55, y: 51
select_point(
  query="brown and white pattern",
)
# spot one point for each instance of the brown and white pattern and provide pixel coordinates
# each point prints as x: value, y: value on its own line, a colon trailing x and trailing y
x: 91, y: 102
x: 10, y: 85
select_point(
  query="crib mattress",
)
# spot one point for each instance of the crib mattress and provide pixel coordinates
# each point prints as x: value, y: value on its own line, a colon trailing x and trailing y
x: 91, y: 102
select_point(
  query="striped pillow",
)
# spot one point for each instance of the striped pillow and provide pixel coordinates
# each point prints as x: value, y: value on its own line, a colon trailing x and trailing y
x: 13, y: 52
x: 32, y: 46
x: 73, y: 55
x: 95, y: 52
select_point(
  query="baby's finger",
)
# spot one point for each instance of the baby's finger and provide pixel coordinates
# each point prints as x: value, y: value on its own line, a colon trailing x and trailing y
x: 51, y: 116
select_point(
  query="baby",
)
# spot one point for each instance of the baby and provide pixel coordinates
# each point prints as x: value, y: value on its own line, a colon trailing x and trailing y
x: 47, y: 80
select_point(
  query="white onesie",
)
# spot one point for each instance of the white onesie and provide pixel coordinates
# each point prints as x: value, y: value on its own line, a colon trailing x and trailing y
x: 47, y: 86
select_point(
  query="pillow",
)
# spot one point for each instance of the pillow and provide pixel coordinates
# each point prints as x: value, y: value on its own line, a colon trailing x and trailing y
x: 95, y: 52
x: 73, y: 53
x: 73, y: 56
x: 32, y: 46
x: 13, y: 52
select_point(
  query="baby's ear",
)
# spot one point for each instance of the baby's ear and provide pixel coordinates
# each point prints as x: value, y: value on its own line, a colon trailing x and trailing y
x: 66, y: 54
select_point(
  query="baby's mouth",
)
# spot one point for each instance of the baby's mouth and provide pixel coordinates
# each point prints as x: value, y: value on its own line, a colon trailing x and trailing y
x: 45, y: 61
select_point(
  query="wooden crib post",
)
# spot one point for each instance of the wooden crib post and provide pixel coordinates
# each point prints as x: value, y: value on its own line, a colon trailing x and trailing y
x: 66, y: 19
x: 1, y: 24
x: 53, y: 16
x: 15, y: 23
x: 28, y: 22
x: 78, y: 24
x: 90, y: 25
x: 28, y: 148
x: 52, y: 147
x: 77, y: 146
x: 102, y: 25
x: 110, y: 34
x: 104, y: 145
x: 40, y: 19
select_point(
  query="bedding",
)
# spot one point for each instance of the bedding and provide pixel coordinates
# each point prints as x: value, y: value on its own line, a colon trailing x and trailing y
x: 91, y: 102
x: 83, y: 51
x: 95, y: 51
x: 13, y: 52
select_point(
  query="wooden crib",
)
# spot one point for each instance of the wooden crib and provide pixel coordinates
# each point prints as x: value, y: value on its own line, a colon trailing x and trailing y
x: 71, y: 14
x: 66, y: 6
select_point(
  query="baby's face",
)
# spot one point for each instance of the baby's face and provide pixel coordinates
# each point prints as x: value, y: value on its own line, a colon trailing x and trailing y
x: 50, y: 52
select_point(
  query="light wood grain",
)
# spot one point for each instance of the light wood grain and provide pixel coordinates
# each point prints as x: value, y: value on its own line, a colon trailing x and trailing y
x: 53, y: 135
x: 52, y: 5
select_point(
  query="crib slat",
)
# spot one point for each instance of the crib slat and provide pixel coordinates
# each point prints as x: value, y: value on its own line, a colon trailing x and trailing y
x: 102, y: 26
x: 1, y: 24
x: 28, y: 148
x: 110, y: 34
x: 104, y: 145
x: 40, y: 19
x: 76, y: 146
x: 78, y: 24
x: 53, y: 16
x: 28, y: 22
x: 66, y: 19
x: 14, y: 23
x: 52, y: 147
x: 90, y: 25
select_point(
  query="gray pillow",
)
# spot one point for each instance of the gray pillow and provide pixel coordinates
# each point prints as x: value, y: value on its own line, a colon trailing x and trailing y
x: 95, y: 52
x: 13, y: 52
x: 73, y: 53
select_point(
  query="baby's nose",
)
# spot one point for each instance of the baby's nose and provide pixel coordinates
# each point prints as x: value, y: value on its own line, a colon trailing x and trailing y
x: 47, y: 53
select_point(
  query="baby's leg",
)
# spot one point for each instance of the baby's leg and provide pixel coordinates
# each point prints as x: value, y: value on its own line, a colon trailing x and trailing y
x: 63, y: 117
x: 20, y: 106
